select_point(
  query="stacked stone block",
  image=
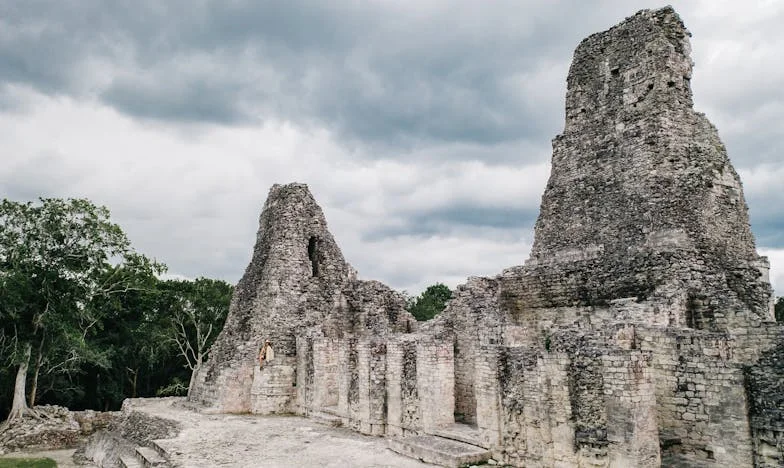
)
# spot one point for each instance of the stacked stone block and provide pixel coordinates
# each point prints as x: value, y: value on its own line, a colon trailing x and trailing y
x: 630, y: 402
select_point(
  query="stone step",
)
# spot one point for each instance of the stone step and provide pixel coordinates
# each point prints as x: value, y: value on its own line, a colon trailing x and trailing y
x: 439, y: 451
x: 326, y: 418
x: 149, y: 458
x: 160, y: 447
x: 333, y: 410
x: 460, y: 433
x: 127, y: 461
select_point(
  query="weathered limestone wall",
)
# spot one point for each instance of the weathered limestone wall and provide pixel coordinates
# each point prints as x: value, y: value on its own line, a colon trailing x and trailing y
x: 305, y: 377
x: 536, y: 427
x: 404, y: 409
x: 344, y: 378
x: 487, y: 388
x: 630, y: 405
x: 272, y: 390
x: 374, y: 309
x: 764, y: 380
x: 400, y: 385
x: 371, y: 406
x: 765, y: 386
x: 436, y: 383
x: 552, y: 415
x: 472, y: 319
x: 701, y: 401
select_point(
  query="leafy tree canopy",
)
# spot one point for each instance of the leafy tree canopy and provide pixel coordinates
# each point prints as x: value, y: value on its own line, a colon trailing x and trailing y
x: 779, y: 309
x: 195, y: 312
x: 85, y: 322
x: 58, y: 258
x: 430, y: 303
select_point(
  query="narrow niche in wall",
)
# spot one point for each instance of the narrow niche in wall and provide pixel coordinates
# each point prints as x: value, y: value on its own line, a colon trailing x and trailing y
x: 314, y: 254
x: 699, y: 312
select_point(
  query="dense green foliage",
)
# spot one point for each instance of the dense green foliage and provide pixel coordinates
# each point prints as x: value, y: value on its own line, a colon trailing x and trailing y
x: 27, y: 463
x: 780, y: 310
x: 87, y: 316
x: 430, y: 303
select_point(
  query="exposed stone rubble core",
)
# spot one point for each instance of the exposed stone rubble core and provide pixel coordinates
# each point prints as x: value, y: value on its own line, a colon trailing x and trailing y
x: 639, y: 333
x: 52, y: 428
x: 130, y: 440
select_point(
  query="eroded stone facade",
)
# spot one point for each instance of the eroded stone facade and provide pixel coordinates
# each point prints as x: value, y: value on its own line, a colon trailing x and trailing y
x: 639, y: 333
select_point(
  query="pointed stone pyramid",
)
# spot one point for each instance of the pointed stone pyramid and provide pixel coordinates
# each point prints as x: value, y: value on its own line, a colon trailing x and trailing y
x: 643, y: 202
x: 294, y: 253
x: 296, y: 283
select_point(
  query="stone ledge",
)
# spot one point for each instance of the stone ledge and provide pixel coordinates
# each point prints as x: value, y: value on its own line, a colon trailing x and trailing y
x: 439, y: 451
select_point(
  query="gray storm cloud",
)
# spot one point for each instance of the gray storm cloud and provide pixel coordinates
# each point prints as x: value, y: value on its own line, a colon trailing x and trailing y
x: 421, y: 126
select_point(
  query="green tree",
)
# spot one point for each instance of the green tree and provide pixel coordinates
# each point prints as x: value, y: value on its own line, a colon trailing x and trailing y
x: 128, y: 335
x: 196, y: 311
x: 779, y: 310
x: 430, y: 303
x: 58, y: 259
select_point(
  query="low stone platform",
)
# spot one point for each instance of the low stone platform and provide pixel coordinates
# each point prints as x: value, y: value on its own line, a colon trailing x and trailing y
x: 326, y: 417
x: 439, y: 451
x: 129, y: 462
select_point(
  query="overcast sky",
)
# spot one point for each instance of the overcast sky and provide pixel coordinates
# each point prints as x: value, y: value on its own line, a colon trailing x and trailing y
x: 422, y: 127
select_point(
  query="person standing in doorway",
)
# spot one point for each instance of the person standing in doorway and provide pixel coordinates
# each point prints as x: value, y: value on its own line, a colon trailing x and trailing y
x: 266, y: 354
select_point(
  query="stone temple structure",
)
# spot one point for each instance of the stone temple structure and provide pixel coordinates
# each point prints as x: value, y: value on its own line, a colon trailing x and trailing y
x: 639, y: 333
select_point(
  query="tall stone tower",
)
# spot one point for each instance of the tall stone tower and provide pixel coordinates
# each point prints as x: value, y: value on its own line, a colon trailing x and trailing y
x: 294, y: 254
x: 642, y: 201
x: 296, y: 285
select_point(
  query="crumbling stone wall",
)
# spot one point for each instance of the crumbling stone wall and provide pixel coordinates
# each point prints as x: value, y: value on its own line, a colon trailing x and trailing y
x: 701, y: 402
x: 472, y: 319
x: 556, y: 411
x: 764, y: 382
x: 630, y: 402
x: 296, y: 265
x: 374, y: 309
x: 404, y: 411
x: 297, y: 283
x: 535, y: 410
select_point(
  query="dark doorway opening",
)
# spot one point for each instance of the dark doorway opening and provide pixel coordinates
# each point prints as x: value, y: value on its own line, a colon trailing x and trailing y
x: 313, y: 255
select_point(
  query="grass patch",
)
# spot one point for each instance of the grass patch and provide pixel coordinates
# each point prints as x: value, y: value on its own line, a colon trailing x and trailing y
x: 27, y: 463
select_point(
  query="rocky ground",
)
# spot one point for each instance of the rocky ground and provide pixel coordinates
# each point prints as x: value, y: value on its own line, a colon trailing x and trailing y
x: 52, y: 428
x: 193, y: 439
x: 224, y: 440
x: 54, y: 432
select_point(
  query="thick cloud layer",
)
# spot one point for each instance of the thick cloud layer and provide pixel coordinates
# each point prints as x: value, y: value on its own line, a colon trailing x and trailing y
x: 423, y: 128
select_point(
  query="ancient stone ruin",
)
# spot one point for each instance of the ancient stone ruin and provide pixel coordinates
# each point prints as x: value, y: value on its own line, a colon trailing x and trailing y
x: 639, y: 333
